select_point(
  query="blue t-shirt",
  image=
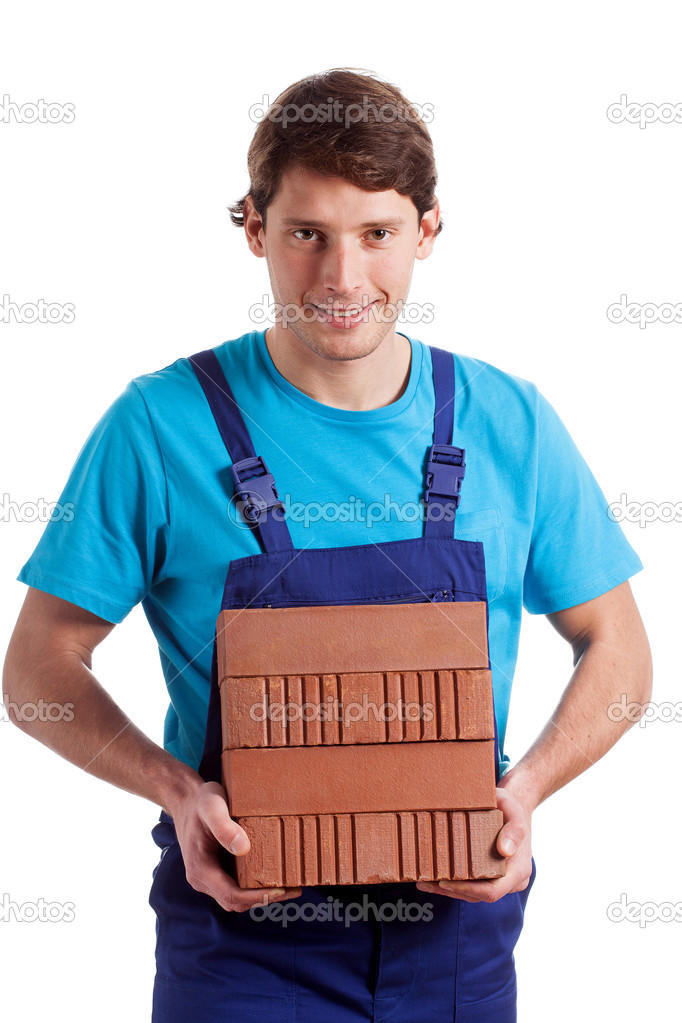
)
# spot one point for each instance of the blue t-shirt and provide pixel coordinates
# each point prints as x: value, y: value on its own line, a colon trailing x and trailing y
x: 153, y: 519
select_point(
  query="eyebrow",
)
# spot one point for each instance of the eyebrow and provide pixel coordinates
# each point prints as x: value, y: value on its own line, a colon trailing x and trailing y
x: 304, y: 222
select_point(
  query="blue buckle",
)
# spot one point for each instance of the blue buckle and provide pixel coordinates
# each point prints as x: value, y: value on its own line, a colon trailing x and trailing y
x: 444, y: 473
x: 255, y: 485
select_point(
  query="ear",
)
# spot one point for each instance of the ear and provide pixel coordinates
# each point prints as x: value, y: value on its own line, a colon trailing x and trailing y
x: 427, y: 232
x: 253, y: 228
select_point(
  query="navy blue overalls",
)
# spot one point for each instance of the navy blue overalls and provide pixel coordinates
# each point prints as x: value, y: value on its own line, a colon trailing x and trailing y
x: 389, y: 953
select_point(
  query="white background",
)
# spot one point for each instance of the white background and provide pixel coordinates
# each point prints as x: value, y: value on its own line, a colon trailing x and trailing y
x: 552, y: 212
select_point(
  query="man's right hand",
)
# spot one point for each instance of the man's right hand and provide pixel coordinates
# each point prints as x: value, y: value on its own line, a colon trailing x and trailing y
x: 204, y: 826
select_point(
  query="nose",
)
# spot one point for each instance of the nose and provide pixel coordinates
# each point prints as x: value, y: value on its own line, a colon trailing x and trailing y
x: 342, y: 269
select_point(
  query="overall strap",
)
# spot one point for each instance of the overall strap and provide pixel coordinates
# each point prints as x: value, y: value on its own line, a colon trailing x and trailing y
x: 254, y: 485
x: 445, y: 467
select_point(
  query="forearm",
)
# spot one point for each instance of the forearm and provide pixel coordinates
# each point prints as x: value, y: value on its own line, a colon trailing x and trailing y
x: 90, y: 729
x: 581, y: 730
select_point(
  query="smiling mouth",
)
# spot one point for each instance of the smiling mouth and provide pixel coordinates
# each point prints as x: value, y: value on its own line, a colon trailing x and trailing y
x: 347, y: 313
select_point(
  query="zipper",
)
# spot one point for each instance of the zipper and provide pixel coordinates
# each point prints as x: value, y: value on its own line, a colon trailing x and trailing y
x: 412, y: 598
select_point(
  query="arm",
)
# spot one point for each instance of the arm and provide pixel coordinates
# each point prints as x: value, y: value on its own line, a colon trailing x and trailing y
x: 50, y: 658
x: 611, y: 656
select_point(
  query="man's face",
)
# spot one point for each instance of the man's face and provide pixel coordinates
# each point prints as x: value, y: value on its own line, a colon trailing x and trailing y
x: 340, y: 260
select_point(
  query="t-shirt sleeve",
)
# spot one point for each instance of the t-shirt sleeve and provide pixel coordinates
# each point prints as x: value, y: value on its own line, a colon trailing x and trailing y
x: 577, y: 550
x: 105, y: 544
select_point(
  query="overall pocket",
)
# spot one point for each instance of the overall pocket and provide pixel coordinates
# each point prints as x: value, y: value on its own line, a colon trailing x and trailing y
x: 487, y: 527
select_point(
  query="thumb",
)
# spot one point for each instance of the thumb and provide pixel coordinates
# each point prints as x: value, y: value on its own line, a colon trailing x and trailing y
x: 509, y: 839
x: 513, y: 831
x: 239, y: 843
x: 217, y: 818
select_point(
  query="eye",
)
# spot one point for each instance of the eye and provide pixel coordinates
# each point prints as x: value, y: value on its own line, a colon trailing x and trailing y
x: 305, y: 231
x: 379, y: 231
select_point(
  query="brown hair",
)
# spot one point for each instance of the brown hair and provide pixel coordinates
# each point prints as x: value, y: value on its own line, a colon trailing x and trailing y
x: 342, y: 123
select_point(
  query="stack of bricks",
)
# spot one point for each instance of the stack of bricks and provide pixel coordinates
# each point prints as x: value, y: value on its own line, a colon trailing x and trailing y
x: 358, y: 743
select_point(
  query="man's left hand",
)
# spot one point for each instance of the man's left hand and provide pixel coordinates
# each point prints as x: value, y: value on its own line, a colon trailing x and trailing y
x: 513, y: 842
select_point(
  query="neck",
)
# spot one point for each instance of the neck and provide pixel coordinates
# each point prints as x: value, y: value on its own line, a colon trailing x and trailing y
x: 368, y: 382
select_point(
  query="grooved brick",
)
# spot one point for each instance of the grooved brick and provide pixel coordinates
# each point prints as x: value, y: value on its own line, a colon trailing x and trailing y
x: 370, y: 848
x: 355, y: 708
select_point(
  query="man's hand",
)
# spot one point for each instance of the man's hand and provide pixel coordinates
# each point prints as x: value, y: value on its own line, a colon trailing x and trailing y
x: 204, y: 826
x: 513, y: 842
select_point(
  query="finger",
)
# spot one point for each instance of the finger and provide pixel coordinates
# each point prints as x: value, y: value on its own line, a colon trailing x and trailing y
x: 509, y: 838
x: 479, y: 891
x: 514, y: 830
x: 214, y: 815
x: 210, y: 879
x: 248, y: 897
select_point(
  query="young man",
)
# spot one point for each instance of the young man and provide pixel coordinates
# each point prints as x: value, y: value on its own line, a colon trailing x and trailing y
x: 342, y: 408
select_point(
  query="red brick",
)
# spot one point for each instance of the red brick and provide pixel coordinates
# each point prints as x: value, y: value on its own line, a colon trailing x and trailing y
x: 352, y: 638
x: 396, y: 707
x: 370, y: 848
x: 360, y: 779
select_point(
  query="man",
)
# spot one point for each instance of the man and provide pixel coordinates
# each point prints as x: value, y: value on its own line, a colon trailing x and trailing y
x: 341, y: 408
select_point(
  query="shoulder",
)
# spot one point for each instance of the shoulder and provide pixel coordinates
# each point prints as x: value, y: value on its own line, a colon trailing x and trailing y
x: 486, y: 395
x: 482, y: 382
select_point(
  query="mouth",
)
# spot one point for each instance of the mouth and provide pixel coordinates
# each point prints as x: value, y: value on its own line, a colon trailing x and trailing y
x: 347, y: 316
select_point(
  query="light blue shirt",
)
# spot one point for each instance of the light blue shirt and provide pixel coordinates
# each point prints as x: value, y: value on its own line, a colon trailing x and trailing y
x: 153, y: 519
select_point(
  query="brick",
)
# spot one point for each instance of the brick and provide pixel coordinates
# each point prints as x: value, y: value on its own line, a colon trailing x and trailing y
x: 366, y: 707
x: 352, y: 638
x: 360, y: 779
x: 369, y: 848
